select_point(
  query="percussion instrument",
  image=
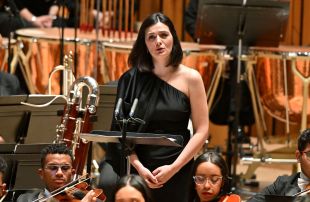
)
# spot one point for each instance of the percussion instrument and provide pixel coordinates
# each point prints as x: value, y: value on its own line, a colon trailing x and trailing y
x: 39, y: 53
x: 282, y: 76
x: 278, y: 79
x: 209, y: 60
x: 4, y: 54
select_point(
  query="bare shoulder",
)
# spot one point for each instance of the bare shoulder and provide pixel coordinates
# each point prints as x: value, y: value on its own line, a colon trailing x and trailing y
x: 190, y: 74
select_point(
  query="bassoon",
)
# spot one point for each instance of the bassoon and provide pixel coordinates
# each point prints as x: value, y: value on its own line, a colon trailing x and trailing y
x: 78, y: 117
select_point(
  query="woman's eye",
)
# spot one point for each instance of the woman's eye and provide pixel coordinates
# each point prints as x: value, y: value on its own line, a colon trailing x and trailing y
x: 163, y: 35
x: 152, y: 37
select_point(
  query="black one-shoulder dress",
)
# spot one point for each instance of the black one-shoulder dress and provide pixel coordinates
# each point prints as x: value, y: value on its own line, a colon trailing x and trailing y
x: 166, y: 110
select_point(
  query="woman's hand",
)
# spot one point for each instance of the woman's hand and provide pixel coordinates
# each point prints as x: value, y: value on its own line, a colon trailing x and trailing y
x: 163, y: 173
x: 146, y: 174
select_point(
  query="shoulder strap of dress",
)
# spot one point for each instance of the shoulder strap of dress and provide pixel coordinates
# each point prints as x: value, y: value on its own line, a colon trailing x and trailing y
x: 151, y: 101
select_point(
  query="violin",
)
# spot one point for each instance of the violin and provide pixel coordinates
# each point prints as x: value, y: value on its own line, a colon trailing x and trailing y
x: 74, y: 192
x: 78, y: 192
x: 230, y: 198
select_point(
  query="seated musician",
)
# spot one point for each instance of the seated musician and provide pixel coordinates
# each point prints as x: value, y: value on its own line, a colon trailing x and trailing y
x: 290, y: 185
x: 3, y: 167
x: 56, y: 171
x: 210, y: 180
x: 9, y: 19
x: 132, y: 188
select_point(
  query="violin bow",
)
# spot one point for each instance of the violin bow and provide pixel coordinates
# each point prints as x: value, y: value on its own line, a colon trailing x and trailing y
x: 302, y: 193
x: 63, y: 188
x: 3, y: 197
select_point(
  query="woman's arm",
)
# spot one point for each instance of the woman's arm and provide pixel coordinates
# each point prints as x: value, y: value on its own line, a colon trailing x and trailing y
x: 200, y: 119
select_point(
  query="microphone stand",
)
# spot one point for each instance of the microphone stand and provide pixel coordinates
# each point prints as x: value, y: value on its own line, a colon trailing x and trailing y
x: 125, y: 147
x: 62, y: 25
x: 236, y: 121
x: 124, y: 150
x: 11, y: 15
x: 97, y: 39
x: 12, y: 10
x: 76, y: 15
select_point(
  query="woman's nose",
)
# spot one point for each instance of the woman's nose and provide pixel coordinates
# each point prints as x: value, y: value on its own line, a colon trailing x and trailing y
x: 207, y: 184
x: 158, y: 40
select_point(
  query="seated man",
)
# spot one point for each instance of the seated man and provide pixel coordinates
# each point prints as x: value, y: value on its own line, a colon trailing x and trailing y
x: 290, y: 185
x: 56, y: 171
x: 3, y: 167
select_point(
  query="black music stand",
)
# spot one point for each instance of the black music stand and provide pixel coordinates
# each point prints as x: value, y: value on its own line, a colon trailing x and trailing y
x: 19, y: 123
x: 133, y: 138
x: 241, y: 23
x: 23, y: 161
x: 257, y: 23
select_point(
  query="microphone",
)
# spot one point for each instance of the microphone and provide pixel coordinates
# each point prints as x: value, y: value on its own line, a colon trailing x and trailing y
x: 133, y: 108
x: 118, y: 107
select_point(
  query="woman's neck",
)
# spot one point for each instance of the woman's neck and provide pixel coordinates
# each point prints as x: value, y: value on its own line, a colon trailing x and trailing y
x: 164, y: 72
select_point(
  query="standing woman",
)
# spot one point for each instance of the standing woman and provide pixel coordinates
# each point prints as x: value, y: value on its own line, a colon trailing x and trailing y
x: 169, y: 94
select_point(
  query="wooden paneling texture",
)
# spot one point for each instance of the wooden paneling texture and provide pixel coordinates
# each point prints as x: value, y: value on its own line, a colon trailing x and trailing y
x: 298, y: 29
x: 174, y: 9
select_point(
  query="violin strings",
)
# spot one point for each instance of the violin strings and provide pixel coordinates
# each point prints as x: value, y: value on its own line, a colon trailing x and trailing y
x: 63, y: 188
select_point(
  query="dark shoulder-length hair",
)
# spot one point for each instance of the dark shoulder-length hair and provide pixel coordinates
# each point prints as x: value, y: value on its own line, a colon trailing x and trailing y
x: 141, y: 58
x: 138, y: 183
x: 217, y: 159
x: 304, y: 140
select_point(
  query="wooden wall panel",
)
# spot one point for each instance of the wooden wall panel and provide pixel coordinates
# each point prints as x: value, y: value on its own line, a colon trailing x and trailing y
x: 293, y: 27
x: 174, y: 10
x: 148, y: 7
x: 298, y: 30
x: 306, y: 23
x: 296, y: 33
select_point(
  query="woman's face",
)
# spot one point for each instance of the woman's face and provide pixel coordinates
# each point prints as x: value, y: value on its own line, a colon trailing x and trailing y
x: 208, y: 180
x: 159, y: 40
x: 128, y: 194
